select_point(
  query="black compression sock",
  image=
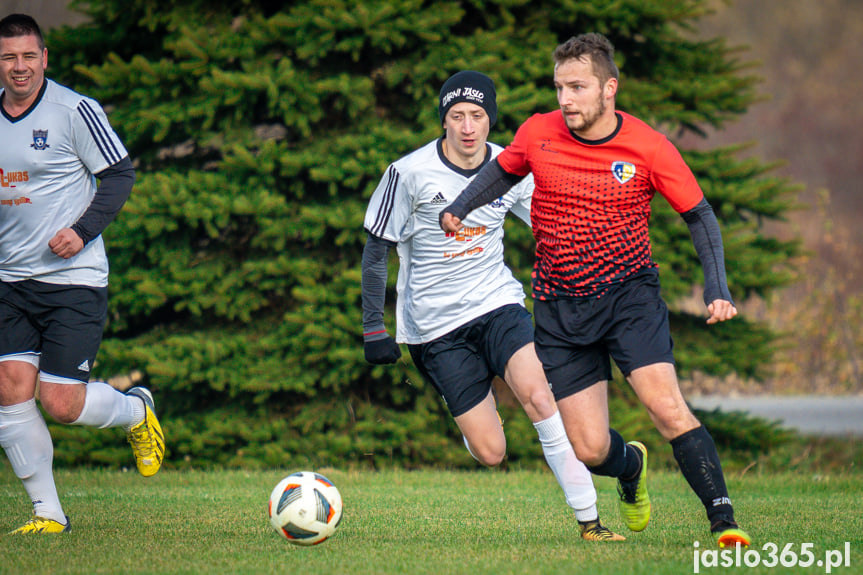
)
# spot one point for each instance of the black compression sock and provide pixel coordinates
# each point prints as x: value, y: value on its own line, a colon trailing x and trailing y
x: 623, y: 460
x: 629, y: 480
x: 698, y: 459
x: 633, y: 465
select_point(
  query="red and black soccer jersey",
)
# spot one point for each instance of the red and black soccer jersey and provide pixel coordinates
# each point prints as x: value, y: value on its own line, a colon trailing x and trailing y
x: 591, y: 203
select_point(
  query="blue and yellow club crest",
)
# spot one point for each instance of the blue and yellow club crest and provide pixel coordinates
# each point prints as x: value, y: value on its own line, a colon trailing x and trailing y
x: 623, y: 171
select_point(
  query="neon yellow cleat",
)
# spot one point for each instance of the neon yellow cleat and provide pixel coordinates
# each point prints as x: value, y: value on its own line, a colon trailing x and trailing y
x: 732, y: 537
x: 596, y: 531
x: 635, y: 502
x: 43, y: 525
x: 146, y: 438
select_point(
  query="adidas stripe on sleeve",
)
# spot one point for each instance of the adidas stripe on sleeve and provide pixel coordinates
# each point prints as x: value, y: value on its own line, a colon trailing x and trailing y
x: 94, y: 139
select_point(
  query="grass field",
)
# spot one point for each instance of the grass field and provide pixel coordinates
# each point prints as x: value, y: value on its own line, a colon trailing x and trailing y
x: 434, y: 522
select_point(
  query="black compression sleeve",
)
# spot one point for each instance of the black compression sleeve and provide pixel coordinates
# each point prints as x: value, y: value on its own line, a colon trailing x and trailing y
x: 115, y: 185
x: 374, y: 286
x: 489, y: 184
x: 707, y: 239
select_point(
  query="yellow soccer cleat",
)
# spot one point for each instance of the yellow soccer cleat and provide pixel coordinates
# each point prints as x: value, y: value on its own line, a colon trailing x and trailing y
x: 732, y: 537
x: 146, y: 438
x: 596, y: 531
x: 43, y: 525
x: 634, y: 501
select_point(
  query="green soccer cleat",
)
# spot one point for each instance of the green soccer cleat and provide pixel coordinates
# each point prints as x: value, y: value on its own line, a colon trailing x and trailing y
x: 146, y: 438
x: 596, y: 531
x: 635, y: 502
x: 731, y: 536
x: 43, y: 525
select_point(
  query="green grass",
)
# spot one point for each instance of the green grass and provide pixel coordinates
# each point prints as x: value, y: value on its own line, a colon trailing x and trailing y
x: 417, y: 522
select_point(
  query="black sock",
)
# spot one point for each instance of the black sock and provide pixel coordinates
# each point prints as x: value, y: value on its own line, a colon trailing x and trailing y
x: 633, y: 466
x: 623, y: 460
x: 698, y: 459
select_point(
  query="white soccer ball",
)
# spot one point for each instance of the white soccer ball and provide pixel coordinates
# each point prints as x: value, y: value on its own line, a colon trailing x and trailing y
x: 305, y: 508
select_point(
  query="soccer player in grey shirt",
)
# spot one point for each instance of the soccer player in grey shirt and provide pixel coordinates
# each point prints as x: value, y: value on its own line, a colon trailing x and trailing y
x: 459, y: 308
x: 54, y: 270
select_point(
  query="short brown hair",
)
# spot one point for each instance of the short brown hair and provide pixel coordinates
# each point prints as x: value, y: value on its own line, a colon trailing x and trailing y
x: 596, y: 47
x: 15, y: 25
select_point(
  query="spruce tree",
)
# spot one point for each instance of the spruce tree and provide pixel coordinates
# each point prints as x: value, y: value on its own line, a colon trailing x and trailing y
x: 259, y: 130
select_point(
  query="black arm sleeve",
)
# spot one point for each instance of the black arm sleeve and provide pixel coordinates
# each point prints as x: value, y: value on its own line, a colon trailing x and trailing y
x: 489, y: 184
x: 375, y: 286
x: 707, y: 239
x: 115, y: 185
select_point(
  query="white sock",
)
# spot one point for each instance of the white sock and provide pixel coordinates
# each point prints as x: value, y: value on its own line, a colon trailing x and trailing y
x: 27, y: 442
x: 572, y: 475
x: 104, y: 406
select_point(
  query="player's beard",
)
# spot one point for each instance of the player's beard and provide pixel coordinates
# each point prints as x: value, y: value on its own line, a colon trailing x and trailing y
x: 587, y: 119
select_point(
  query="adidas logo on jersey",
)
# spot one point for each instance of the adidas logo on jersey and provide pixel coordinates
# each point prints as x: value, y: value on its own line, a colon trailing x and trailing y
x: 438, y: 199
x: 85, y: 366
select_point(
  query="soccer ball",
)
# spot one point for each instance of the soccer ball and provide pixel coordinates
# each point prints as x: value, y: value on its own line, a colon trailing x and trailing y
x: 305, y: 508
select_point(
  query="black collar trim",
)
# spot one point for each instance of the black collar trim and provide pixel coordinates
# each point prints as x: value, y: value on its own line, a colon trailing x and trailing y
x: 608, y: 138
x: 26, y: 112
x: 462, y: 171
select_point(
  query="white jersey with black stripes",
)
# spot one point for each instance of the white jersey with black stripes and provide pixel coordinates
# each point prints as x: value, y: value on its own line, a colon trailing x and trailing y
x: 48, y: 159
x: 445, y: 280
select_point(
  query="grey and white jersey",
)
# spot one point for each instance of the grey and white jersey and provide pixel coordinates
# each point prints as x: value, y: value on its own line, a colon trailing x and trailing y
x: 47, y: 160
x: 445, y: 280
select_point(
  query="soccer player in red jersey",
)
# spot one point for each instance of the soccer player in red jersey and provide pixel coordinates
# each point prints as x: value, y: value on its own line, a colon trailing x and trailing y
x: 595, y: 286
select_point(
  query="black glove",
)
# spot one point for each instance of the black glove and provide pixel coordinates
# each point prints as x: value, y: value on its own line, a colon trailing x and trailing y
x: 382, y: 351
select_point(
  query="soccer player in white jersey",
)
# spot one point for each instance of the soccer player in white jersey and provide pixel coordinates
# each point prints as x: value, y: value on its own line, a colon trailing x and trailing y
x: 459, y: 308
x: 54, y: 271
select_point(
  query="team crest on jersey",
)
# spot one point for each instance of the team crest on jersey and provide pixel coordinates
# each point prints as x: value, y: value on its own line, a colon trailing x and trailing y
x: 498, y: 203
x: 40, y: 140
x: 623, y: 171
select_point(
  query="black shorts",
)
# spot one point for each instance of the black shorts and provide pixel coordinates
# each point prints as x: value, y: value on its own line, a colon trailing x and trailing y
x: 462, y: 364
x: 576, y: 336
x: 62, y: 323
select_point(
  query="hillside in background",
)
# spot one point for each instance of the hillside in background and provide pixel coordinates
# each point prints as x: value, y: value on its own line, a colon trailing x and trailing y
x: 808, y: 52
